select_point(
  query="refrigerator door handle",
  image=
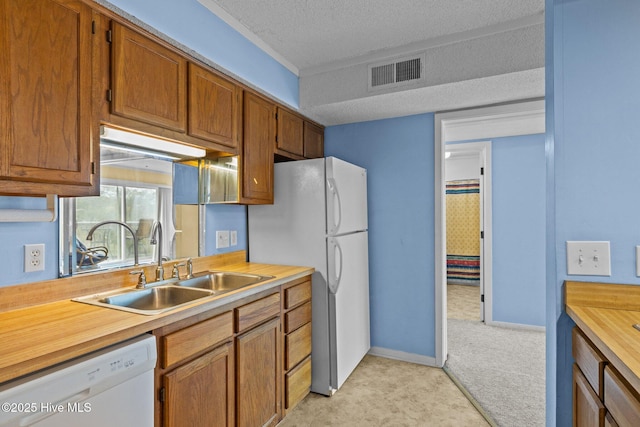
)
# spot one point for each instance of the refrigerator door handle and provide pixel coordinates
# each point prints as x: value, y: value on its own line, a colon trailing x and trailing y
x: 334, y: 279
x: 336, y: 206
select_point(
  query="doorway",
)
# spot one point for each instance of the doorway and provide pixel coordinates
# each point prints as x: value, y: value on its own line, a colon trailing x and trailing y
x: 468, y: 229
x: 521, y: 118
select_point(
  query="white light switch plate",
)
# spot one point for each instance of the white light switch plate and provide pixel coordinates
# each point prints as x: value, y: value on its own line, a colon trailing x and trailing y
x: 234, y: 237
x: 588, y: 258
x: 638, y: 261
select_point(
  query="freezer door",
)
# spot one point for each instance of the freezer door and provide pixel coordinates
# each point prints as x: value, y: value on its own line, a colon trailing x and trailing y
x: 346, y: 197
x: 348, y: 303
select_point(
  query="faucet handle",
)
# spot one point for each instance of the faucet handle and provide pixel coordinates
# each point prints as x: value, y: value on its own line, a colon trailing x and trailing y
x: 142, y: 279
x: 176, y: 272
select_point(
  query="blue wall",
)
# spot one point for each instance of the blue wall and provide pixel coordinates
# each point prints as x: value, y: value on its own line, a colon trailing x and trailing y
x: 225, y: 217
x: 594, y: 103
x: 398, y: 156
x: 13, y: 237
x: 518, y: 195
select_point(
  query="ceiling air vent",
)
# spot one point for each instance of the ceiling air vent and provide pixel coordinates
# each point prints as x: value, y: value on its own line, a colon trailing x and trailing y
x: 396, y: 72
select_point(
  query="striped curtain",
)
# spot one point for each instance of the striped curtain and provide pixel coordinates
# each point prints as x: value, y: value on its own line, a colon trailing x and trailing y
x: 463, y: 232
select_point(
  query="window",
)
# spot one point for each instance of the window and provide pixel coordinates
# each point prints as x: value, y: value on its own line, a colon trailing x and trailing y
x: 135, y: 206
x: 136, y: 189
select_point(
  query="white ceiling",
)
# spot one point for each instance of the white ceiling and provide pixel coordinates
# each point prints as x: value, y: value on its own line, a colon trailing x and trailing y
x: 321, y: 37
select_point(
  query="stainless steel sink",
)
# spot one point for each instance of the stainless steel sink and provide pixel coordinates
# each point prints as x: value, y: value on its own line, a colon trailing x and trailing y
x: 222, y: 281
x: 153, y: 300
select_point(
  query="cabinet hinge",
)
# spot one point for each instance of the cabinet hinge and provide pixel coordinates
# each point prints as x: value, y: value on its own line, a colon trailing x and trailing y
x: 161, y: 394
x: 482, y: 298
x: 93, y: 27
x: 481, y: 171
x: 109, y: 36
x: 93, y: 168
x: 109, y: 95
x: 482, y: 234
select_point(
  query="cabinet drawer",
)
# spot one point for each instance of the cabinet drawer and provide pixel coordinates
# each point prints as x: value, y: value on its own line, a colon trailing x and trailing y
x: 252, y: 314
x: 298, y: 346
x: 590, y: 361
x: 297, y: 317
x: 297, y: 294
x: 588, y: 410
x: 298, y: 383
x: 194, y: 339
x: 620, y: 399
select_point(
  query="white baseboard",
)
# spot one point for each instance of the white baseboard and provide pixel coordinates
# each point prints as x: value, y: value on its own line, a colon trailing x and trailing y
x: 403, y: 356
x: 517, y: 326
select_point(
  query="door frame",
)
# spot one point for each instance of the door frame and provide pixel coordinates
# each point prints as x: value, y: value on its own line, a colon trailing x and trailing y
x: 521, y: 118
x: 483, y: 150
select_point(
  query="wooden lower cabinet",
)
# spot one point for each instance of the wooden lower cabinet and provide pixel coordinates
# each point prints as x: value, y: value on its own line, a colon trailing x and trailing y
x: 297, y: 341
x: 201, y: 392
x: 588, y: 410
x: 601, y: 395
x: 620, y: 399
x: 258, y: 375
x: 227, y: 367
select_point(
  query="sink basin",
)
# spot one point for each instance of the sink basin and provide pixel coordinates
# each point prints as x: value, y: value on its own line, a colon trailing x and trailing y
x: 153, y: 300
x: 222, y: 281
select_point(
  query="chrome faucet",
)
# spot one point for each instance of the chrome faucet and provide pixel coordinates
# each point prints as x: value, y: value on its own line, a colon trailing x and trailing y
x: 133, y: 233
x: 156, y: 239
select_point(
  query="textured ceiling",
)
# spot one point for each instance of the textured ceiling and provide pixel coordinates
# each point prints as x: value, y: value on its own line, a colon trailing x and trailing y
x: 330, y: 39
x: 309, y: 33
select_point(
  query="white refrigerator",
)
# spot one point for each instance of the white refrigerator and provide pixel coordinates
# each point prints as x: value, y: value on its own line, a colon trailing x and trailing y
x: 319, y: 219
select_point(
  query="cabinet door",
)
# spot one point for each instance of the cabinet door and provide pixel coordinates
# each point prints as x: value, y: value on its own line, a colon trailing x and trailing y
x: 149, y: 80
x: 588, y: 411
x: 257, y: 152
x: 45, y: 81
x: 213, y: 107
x: 313, y: 141
x: 258, y: 371
x: 201, y: 393
x: 290, y: 132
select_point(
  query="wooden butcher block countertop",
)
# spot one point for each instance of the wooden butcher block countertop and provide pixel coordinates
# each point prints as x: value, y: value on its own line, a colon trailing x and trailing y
x: 41, y: 333
x: 606, y: 313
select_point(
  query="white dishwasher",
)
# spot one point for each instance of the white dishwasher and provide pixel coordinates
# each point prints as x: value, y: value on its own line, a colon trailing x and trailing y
x: 109, y: 387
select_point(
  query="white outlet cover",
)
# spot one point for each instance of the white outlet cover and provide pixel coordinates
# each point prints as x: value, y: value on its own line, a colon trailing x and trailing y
x: 222, y: 239
x: 588, y: 258
x: 34, y: 257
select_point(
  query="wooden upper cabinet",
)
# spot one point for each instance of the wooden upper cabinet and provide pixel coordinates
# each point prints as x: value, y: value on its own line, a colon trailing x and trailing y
x: 149, y: 80
x: 313, y: 141
x: 45, y: 109
x: 257, y: 150
x: 214, y: 104
x: 290, y: 132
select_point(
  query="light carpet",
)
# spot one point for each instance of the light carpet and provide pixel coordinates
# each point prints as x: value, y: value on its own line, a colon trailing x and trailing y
x: 503, y: 369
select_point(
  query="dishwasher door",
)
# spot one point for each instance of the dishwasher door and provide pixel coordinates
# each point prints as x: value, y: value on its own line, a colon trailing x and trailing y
x: 110, y: 387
